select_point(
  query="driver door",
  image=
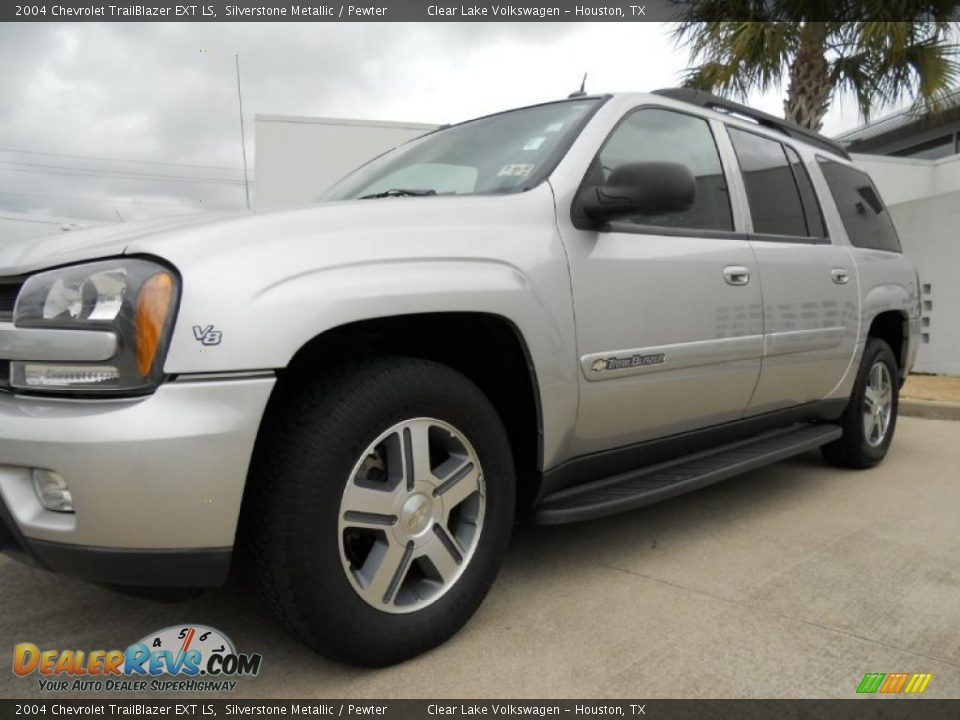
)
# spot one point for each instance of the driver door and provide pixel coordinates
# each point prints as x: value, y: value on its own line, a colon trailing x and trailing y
x: 668, y: 307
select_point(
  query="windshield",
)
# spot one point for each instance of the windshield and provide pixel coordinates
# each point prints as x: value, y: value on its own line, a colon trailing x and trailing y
x: 504, y: 153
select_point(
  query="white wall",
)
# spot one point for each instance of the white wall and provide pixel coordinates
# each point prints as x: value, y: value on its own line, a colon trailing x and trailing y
x: 924, y: 200
x: 297, y: 158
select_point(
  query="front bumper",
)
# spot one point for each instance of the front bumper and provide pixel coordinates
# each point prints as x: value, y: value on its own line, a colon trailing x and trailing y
x: 157, y: 482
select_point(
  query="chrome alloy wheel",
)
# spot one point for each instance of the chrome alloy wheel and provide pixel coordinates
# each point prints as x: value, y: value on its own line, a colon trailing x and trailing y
x: 877, y: 404
x: 411, y: 515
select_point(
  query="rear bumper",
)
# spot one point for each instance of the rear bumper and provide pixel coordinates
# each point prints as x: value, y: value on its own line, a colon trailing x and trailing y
x: 157, y: 482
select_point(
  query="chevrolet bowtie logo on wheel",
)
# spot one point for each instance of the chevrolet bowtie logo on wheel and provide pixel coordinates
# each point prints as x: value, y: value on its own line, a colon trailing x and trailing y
x: 894, y: 683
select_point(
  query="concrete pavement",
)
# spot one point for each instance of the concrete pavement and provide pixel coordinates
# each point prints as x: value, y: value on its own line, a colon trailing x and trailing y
x: 791, y: 581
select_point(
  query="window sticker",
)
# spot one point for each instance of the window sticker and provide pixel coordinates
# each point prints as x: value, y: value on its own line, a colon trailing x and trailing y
x: 554, y: 127
x: 516, y: 170
x: 534, y: 143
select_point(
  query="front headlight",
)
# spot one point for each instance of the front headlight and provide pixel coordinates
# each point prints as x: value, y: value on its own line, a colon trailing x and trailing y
x: 134, y: 298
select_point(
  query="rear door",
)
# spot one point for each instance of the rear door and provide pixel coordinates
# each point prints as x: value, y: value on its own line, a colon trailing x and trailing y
x: 809, y: 285
x: 669, y: 321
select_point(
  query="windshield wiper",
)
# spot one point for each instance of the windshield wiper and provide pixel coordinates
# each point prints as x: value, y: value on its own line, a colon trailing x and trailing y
x: 398, y: 192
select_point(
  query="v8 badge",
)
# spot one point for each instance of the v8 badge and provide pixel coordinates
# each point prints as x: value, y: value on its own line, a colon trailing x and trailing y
x: 207, y: 335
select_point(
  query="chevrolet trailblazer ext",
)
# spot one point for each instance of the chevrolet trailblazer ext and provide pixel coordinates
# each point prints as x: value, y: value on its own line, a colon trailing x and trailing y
x: 578, y: 308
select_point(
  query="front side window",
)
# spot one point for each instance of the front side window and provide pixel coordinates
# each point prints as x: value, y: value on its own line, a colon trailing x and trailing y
x: 864, y: 216
x: 654, y: 135
x: 772, y: 191
x: 504, y: 153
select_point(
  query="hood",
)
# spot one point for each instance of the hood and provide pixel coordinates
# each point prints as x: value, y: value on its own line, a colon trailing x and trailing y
x: 23, y: 255
x: 345, y: 229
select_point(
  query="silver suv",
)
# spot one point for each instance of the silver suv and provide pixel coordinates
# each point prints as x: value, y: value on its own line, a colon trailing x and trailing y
x: 572, y: 309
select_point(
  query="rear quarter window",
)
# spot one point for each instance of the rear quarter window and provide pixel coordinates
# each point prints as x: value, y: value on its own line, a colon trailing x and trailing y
x: 865, y: 218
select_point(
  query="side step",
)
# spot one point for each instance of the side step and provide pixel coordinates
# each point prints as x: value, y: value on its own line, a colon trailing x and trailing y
x: 644, y: 486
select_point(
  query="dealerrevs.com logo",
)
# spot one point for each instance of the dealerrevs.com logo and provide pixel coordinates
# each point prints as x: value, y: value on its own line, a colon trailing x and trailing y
x: 188, y: 658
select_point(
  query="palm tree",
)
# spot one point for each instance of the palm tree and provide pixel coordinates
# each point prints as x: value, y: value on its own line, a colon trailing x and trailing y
x: 857, y: 52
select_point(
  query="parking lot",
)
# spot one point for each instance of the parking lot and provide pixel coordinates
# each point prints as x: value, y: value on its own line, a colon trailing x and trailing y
x: 791, y: 581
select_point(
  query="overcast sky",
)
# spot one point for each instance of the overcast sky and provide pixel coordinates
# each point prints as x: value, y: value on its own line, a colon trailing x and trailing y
x: 166, y: 93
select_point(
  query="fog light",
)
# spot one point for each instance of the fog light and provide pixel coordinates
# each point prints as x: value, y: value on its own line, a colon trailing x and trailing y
x: 52, y: 491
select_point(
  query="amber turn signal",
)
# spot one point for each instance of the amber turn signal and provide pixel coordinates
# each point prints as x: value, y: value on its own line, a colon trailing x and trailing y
x: 153, y: 304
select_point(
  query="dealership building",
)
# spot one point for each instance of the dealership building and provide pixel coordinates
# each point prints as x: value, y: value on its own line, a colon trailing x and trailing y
x: 914, y: 158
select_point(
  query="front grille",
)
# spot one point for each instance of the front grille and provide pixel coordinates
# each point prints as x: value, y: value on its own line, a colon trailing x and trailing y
x: 9, y: 288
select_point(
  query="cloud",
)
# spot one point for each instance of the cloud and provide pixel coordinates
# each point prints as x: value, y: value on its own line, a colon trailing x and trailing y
x: 166, y: 92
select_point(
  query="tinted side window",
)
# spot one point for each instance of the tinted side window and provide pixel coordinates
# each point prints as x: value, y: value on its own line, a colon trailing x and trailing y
x: 811, y: 208
x: 771, y: 189
x: 864, y: 216
x: 650, y: 135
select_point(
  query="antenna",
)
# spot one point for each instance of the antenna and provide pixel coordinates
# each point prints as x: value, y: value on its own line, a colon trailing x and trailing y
x: 582, y: 92
x: 243, y: 138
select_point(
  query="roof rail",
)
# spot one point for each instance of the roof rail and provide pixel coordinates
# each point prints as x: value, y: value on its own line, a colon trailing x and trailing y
x: 786, y: 127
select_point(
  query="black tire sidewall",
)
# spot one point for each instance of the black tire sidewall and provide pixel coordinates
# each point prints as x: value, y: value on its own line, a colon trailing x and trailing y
x: 867, y: 454
x: 337, y: 620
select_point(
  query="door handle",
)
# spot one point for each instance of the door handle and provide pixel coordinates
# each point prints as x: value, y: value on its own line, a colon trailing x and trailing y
x: 736, y: 275
x: 840, y: 276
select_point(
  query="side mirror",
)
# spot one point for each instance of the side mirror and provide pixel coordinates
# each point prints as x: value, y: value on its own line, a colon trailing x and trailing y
x: 646, y: 188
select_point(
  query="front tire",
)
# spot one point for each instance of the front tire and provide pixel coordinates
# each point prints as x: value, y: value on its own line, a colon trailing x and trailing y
x: 381, y: 504
x: 871, y: 416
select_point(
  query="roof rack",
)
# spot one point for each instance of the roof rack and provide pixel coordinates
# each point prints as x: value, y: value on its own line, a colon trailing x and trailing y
x: 786, y: 127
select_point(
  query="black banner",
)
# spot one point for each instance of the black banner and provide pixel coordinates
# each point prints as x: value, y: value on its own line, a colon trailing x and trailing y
x: 515, y: 709
x: 408, y: 11
x: 320, y: 11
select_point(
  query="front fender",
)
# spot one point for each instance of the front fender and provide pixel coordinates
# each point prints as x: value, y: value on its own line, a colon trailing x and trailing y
x: 269, y: 328
x: 254, y: 307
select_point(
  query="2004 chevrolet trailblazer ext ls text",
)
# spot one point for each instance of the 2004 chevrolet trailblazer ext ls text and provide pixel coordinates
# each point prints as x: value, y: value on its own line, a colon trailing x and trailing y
x: 579, y: 308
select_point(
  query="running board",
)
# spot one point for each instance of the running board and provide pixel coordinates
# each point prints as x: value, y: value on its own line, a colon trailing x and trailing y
x: 644, y: 486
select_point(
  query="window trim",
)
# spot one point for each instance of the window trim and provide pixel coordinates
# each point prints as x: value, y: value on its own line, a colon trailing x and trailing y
x: 774, y: 237
x: 822, y: 239
x: 583, y: 223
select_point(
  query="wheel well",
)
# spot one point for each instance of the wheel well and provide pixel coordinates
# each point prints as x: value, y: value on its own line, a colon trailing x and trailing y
x: 487, y: 348
x: 890, y: 327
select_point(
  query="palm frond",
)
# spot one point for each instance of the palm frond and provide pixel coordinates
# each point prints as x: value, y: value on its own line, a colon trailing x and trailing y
x: 868, y: 48
x: 850, y: 74
x: 894, y: 60
x: 735, y: 57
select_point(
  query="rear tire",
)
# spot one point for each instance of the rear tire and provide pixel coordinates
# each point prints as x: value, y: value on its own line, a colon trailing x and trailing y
x: 331, y: 505
x: 871, y: 416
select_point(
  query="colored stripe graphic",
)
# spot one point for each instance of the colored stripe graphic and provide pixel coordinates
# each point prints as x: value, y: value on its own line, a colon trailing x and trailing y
x: 871, y: 682
x: 893, y: 683
x: 918, y: 683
